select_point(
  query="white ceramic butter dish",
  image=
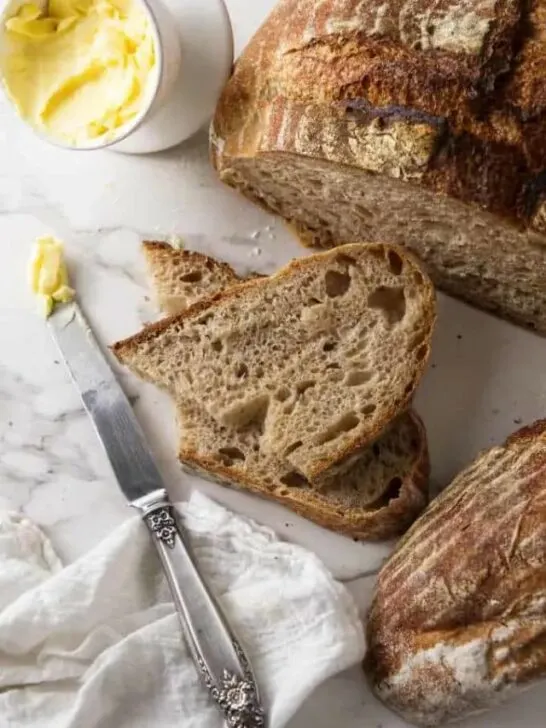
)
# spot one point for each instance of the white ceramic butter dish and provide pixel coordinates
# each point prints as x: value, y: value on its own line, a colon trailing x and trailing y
x: 194, y: 49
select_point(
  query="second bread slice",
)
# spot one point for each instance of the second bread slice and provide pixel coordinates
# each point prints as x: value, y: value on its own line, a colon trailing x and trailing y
x: 323, y: 355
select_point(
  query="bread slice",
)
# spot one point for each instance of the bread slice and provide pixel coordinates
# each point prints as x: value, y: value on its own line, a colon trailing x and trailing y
x: 379, y: 494
x: 324, y: 354
x: 377, y: 497
x: 182, y: 277
x: 458, y: 619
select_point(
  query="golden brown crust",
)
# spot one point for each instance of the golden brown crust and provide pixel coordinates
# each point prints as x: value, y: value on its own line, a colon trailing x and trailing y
x: 477, y: 85
x: 471, y: 576
x: 381, y: 522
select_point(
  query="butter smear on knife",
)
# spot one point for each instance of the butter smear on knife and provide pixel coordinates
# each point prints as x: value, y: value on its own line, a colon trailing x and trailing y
x: 48, y: 274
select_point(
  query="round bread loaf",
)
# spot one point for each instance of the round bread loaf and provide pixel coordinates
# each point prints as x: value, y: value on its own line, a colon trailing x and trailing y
x: 420, y: 124
x: 458, y: 620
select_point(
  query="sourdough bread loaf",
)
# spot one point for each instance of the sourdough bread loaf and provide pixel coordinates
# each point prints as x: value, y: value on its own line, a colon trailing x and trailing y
x: 458, y: 620
x: 377, y: 496
x: 419, y: 124
x: 322, y: 356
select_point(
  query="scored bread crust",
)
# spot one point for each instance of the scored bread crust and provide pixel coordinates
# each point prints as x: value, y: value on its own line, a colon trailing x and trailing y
x: 458, y: 618
x: 131, y: 350
x: 336, y: 66
x: 458, y: 125
x: 372, y: 513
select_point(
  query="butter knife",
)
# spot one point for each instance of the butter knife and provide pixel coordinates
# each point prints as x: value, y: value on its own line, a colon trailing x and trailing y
x: 217, y: 653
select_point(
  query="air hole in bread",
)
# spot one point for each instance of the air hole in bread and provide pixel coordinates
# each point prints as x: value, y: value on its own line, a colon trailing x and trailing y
x: 393, y: 489
x: 292, y: 448
x: 333, y: 365
x: 241, y: 370
x: 345, y: 424
x: 368, y: 409
x: 337, y: 284
x: 418, y: 278
x: 194, y: 276
x: 229, y: 455
x: 205, y: 319
x: 258, y: 372
x: 217, y: 345
x: 243, y: 412
x: 422, y: 351
x: 293, y: 479
x: 391, y: 301
x: 305, y: 385
x: 409, y: 387
x: 282, y: 394
x: 356, y: 377
x: 313, y: 302
x: 329, y: 346
x: 396, y: 264
x: 392, y: 492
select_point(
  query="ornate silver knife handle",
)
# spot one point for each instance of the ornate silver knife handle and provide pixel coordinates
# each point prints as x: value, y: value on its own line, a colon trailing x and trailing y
x: 219, y: 657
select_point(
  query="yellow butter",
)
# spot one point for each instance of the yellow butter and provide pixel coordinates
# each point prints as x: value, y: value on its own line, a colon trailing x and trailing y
x: 48, y: 275
x: 81, y: 70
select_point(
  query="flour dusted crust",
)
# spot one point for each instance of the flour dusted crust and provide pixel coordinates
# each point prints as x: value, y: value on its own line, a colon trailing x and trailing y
x: 458, y: 620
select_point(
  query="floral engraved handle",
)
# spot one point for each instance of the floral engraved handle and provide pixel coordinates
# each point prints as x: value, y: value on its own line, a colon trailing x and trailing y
x: 217, y: 653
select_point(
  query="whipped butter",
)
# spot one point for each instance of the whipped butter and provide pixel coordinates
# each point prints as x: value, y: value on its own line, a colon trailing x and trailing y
x: 80, y: 70
x: 48, y: 275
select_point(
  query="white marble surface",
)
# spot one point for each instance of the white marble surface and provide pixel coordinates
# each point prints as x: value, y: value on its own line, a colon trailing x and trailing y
x: 486, y: 376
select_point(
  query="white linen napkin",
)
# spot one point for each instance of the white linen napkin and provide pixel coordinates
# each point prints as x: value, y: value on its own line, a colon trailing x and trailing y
x: 98, y: 645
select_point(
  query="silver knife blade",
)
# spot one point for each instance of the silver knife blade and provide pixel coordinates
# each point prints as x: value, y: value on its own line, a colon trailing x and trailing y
x: 106, y: 403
